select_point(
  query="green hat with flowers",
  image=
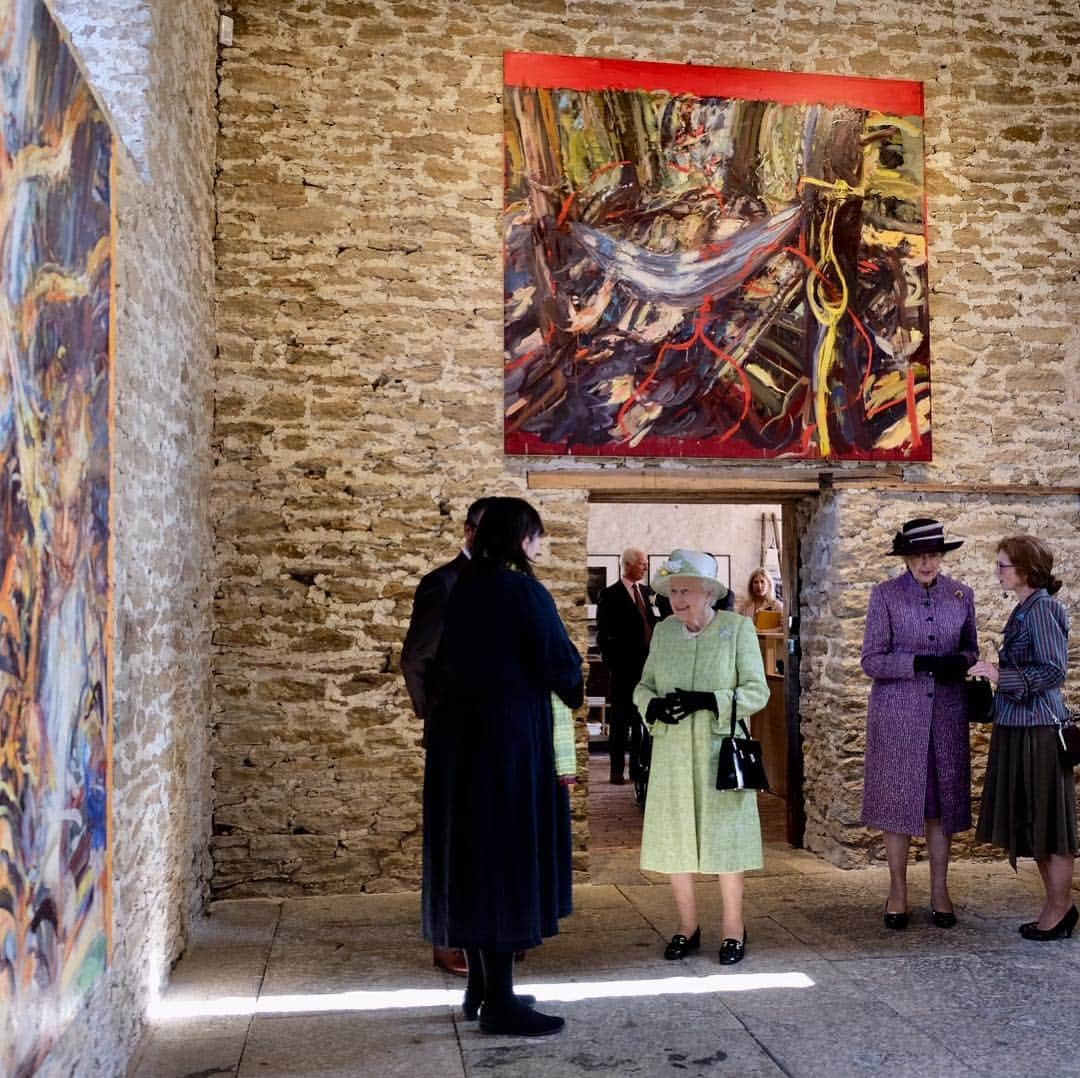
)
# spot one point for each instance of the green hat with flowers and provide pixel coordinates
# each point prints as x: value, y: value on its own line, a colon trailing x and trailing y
x: 688, y: 564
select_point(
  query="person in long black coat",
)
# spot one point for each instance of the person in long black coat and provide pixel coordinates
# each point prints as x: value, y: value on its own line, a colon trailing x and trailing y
x: 497, y: 855
x: 418, y: 654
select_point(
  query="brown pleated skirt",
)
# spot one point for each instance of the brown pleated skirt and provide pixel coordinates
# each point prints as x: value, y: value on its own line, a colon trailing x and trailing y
x: 1029, y: 795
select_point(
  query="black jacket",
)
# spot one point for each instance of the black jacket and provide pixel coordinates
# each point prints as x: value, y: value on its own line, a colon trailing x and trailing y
x: 619, y: 634
x: 425, y: 632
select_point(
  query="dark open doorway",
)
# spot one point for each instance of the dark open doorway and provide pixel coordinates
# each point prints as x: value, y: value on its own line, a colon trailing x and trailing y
x: 614, y: 817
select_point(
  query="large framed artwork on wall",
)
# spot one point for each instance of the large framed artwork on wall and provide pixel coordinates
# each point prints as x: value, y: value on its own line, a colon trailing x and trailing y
x: 56, y: 235
x: 713, y: 262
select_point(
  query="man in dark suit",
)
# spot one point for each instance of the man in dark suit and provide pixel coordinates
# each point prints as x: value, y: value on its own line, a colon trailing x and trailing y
x: 624, y: 624
x: 418, y: 659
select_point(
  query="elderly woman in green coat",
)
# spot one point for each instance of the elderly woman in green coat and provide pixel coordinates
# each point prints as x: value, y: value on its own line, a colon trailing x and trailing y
x: 698, y: 660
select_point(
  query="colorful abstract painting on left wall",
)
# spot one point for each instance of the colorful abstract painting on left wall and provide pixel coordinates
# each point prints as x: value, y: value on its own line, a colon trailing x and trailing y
x: 713, y: 262
x: 56, y: 264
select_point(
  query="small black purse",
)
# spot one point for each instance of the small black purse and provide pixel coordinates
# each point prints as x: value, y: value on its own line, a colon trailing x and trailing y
x: 980, y: 700
x: 741, y: 765
x: 1069, y: 741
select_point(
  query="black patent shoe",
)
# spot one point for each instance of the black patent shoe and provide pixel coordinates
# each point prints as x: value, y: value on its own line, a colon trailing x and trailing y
x: 680, y: 946
x: 732, y: 951
x: 471, y: 1007
x: 1064, y: 927
x: 943, y: 920
x: 895, y: 920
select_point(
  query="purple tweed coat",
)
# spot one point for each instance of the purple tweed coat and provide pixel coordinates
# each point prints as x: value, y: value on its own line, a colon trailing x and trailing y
x: 908, y: 711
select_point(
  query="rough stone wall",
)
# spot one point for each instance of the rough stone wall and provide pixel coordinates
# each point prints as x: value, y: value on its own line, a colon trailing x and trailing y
x: 161, y: 466
x: 358, y: 381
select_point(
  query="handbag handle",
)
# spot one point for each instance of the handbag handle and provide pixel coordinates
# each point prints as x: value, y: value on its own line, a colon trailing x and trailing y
x: 741, y: 722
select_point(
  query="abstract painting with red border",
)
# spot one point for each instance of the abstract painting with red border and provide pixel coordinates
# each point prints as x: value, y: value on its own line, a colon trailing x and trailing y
x: 713, y: 262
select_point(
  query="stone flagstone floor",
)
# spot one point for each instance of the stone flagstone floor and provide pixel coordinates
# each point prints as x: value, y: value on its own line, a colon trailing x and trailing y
x: 344, y: 986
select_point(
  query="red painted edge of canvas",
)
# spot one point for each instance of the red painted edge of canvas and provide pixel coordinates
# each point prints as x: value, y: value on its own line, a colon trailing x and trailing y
x: 518, y: 443
x: 900, y: 97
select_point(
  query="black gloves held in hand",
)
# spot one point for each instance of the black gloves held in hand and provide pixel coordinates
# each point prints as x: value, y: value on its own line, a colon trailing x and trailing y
x: 952, y: 667
x: 674, y: 707
x: 687, y: 701
x: 659, y: 710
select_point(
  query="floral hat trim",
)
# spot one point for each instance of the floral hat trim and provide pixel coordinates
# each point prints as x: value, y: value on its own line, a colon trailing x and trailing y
x: 695, y: 564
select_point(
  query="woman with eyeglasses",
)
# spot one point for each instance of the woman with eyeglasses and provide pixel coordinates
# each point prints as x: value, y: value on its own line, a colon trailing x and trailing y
x: 920, y: 640
x: 1029, y: 799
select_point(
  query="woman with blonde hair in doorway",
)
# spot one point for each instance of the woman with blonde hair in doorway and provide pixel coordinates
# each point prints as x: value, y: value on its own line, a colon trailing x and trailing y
x: 700, y: 660
x: 760, y: 595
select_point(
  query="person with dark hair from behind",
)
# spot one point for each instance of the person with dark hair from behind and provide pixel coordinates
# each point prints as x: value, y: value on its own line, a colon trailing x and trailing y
x: 418, y: 658
x: 497, y: 860
x: 1029, y: 793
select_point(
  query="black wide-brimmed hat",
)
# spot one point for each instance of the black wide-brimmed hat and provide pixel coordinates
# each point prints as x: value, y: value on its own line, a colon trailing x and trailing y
x: 922, y: 535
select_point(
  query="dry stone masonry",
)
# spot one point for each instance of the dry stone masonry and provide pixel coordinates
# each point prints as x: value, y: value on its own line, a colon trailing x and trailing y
x: 152, y: 66
x: 357, y: 387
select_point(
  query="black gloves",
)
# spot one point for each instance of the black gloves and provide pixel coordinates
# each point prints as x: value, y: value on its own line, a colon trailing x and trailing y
x: 659, y: 710
x: 950, y: 667
x: 687, y: 701
x: 674, y: 707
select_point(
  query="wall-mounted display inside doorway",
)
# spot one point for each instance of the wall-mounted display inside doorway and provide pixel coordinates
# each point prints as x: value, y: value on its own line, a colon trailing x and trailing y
x: 55, y: 591
x: 603, y: 571
x: 713, y: 262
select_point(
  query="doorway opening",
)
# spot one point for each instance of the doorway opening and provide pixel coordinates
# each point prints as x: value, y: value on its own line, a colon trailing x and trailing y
x: 743, y: 535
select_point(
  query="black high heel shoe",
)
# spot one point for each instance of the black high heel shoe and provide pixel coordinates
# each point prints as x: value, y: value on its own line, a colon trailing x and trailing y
x: 732, y: 951
x: 680, y: 946
x: 943, y: 920
x: 1064, y: 927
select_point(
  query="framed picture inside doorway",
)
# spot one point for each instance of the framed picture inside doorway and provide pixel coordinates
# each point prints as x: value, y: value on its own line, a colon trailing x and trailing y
x: 603, y: 571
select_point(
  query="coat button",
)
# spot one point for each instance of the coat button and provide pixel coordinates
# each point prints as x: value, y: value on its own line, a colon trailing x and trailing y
x: 931, y: 637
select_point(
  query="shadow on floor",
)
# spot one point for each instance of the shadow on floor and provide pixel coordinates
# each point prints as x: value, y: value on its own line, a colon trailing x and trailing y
x: 344, y: 986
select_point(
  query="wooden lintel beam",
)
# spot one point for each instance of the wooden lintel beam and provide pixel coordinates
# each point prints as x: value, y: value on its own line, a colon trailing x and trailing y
x: 1034, y: 490
x: 755, y: 485
x: 624, y: 482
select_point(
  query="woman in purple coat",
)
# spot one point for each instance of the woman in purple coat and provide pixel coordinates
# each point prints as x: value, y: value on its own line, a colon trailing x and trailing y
x: 920, y: 641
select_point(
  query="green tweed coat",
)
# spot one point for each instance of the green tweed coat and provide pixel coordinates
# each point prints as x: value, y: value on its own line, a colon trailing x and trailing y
x: 690, y: 826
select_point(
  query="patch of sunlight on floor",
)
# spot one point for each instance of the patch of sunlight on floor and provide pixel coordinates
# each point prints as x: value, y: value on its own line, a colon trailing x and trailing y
x: 178, y: 1009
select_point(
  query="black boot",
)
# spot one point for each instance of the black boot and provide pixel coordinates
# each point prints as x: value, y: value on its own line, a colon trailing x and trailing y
x: 502, y: 1011
x: 474, y: 987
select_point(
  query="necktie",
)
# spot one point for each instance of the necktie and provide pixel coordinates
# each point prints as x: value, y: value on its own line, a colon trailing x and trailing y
x: 640, y: 603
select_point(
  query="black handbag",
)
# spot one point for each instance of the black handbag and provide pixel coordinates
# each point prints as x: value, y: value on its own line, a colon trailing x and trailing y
x: 741, y: 766
x: 980, y: 700
x: 1069, y: 742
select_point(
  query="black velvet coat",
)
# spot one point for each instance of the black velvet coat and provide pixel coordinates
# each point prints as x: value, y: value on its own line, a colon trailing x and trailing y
x: 497, y: 866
